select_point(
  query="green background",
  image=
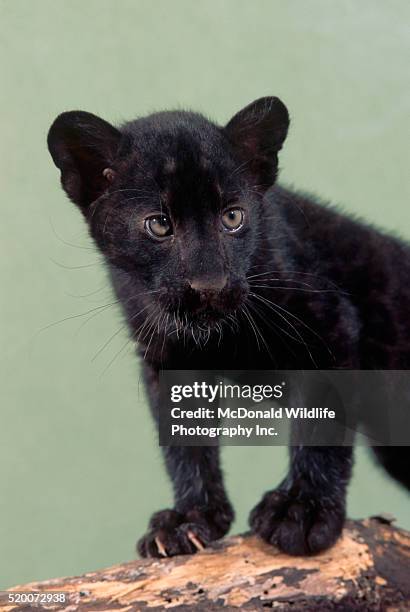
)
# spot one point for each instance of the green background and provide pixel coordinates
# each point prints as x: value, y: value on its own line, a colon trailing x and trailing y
x: 80, y: 469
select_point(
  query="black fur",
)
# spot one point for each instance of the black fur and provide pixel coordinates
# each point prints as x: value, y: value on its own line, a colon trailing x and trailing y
x: 299, y: 286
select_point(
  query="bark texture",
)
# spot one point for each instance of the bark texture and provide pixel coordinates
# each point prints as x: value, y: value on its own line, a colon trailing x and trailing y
x: 368, y: 569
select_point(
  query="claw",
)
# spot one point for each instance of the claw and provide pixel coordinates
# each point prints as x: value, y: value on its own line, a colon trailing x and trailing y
x: 161, y: 548
x: 195, y: 541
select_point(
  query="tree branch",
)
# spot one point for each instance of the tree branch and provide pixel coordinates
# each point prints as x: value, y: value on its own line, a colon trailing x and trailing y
x: 368, y: 569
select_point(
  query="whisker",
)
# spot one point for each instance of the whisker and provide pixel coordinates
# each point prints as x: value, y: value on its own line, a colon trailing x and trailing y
x: 311, y: 274
x: 275, y: 327
x: 71, y: 244
x: 294, y: 288
x: 259, y: 331
x: 124, y: 346
x: 249, y: 318
x: 76, y: 316
x: 100, y: 350
x: 282, y: 280
x: 274, y: 307
x: 115, y: 357
x: 64, y: 267
x: 86, y: 295
x: 154, y: 324
x: 165, y: 336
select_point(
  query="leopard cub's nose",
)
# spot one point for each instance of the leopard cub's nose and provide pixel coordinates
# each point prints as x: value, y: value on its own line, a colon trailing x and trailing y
x: 208, y: 284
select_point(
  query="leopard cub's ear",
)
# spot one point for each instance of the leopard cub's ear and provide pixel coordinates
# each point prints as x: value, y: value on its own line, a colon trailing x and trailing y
x: 257, y: 134
x: 83, y: 147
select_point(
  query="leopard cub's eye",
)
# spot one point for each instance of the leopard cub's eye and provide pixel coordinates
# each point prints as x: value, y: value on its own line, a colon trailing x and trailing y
x: 159, y: 226
x: 232, y: 219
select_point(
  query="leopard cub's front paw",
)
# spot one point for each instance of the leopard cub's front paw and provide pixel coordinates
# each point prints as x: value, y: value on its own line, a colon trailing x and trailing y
x: 173, y: 533
x: 297, y: 522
